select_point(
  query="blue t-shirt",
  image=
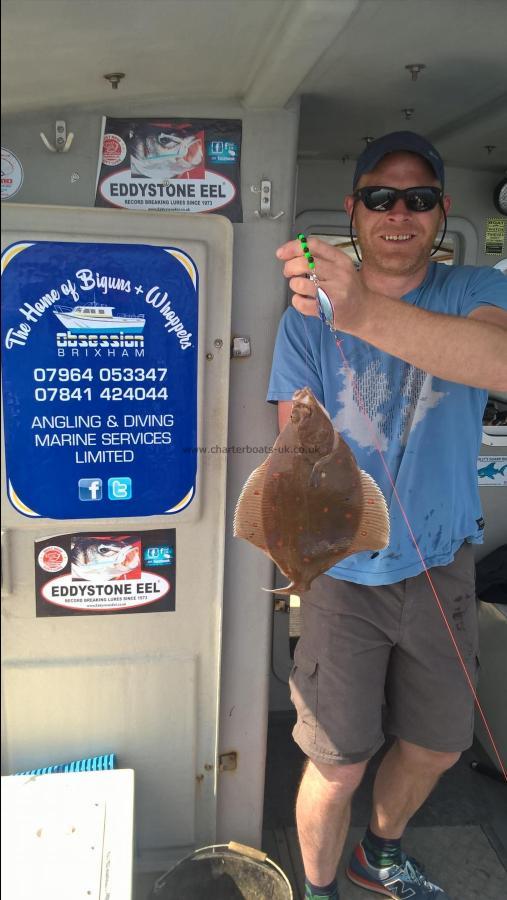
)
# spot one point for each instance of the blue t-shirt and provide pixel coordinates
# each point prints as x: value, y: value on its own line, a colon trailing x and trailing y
x: 429, y: 429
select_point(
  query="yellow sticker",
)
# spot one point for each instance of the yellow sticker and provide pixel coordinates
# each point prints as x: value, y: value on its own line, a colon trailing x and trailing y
x: 495, y: 236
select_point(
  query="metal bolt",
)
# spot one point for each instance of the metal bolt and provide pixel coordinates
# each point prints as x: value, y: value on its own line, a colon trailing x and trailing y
x: 114, y: 79
x: 208, y: 767
x: 414, y: 69
x: 218, y: 343
x: 209, y: 356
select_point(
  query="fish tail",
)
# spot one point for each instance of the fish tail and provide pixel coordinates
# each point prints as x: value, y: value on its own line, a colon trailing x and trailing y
x: 291, y: 588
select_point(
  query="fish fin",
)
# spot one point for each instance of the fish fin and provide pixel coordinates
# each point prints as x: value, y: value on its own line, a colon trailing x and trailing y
x: 373, y: 529
x: 248, y: 514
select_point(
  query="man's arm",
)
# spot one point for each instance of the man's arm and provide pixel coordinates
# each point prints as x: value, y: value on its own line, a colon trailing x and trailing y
x: 469, y: 350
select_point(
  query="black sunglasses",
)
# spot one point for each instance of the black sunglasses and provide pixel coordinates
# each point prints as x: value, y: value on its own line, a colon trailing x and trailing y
x: 417, y: 199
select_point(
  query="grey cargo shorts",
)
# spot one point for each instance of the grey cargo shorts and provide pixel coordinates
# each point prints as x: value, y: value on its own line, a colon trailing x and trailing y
x: 380, y: 659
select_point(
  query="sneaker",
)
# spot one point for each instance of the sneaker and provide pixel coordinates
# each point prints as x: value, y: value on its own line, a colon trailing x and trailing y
x: 405, y: 882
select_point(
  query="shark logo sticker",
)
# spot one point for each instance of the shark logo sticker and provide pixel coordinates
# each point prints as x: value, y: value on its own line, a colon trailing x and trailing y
x: 492, y: 471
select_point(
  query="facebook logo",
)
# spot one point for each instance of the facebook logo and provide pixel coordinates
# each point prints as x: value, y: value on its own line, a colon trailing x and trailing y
x: 119, y: 488
x: 90, y: 488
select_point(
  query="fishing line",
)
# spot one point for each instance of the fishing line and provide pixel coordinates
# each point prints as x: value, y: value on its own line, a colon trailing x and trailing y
x: 360, y: 402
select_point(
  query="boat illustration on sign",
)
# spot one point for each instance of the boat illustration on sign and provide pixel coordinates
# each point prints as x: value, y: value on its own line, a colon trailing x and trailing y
x: 95, y: 319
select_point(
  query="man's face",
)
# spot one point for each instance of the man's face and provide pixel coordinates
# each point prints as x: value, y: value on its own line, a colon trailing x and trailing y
x: 397, y: 242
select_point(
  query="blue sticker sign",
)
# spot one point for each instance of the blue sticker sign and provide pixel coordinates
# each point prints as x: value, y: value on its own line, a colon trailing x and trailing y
x: 99, y: 366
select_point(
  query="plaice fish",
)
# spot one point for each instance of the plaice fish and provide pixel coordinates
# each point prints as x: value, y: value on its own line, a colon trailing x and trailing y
x: 308, y: 505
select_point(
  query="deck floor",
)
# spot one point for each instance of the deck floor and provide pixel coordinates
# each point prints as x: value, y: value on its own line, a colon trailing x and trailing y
x: 458, y: 858
x: 460, y: 834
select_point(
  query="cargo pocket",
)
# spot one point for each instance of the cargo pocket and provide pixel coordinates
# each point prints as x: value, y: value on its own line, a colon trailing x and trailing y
x: 304, y: 691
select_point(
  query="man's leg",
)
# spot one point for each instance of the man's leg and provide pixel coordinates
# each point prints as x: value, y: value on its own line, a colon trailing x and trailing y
x: 406, y: 777
x: 337, y: 687
x: 323, y: 815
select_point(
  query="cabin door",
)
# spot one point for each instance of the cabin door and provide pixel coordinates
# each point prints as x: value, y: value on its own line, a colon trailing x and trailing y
x: 116, y: 342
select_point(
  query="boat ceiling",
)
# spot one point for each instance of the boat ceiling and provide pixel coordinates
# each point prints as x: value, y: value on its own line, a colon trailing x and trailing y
x: 345, y: 58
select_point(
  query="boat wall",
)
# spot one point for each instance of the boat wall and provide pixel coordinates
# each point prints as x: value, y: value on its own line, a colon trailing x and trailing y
x: 258, y: 299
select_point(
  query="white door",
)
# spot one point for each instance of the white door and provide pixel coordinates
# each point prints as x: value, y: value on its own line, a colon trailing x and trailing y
x: 113, y: 503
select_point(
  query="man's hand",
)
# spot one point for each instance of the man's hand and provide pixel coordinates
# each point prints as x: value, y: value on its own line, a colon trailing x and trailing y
x: 336, y: 275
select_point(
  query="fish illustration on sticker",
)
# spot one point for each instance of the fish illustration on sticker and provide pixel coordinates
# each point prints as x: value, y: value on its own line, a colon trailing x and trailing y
x: 104, y: 558
x: 165, y: 150
x: 309, y: 505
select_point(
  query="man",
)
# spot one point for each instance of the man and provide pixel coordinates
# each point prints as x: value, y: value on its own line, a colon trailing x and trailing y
x: 419, y: 344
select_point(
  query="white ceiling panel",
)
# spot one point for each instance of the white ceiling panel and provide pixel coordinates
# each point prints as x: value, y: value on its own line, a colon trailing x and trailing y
x: 345, y: 58
x: 57, y: 51
x: 360, y: 85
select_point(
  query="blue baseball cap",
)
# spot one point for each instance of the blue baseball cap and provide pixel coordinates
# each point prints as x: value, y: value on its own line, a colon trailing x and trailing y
x: 395, y: 142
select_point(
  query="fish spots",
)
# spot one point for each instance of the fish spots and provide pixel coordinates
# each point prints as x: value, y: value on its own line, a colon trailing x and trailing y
x: 303, y: 530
